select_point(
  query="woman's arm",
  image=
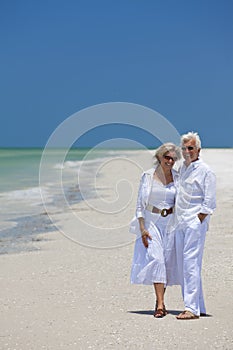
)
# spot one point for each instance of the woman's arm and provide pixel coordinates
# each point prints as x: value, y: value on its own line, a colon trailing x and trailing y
x: 144, y: 233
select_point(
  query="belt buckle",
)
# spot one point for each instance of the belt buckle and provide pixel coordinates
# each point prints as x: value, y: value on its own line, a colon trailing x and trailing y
x: 164, y: 213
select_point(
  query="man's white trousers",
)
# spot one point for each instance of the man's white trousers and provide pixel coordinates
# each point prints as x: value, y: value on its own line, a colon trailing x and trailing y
x: 190, y: 240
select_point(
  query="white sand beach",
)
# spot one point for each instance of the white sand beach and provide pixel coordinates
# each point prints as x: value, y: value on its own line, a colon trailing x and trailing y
x: 73, y: 291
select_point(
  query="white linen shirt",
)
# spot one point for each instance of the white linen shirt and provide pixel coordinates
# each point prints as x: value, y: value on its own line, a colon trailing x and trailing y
x: 196, y: 192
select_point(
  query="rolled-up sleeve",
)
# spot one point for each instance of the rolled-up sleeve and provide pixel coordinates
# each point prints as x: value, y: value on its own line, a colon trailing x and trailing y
x: 209, y: 202
x: 140, y: 206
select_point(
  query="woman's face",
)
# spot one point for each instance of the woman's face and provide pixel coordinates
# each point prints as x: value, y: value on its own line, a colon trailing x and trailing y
x: 168, y: 160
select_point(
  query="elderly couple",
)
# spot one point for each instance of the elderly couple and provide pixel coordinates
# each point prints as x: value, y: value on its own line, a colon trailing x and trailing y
x: 172, y: 216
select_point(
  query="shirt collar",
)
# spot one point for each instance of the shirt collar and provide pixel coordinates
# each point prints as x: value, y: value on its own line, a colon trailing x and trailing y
x: 150, y: 171
x: 193, y: 165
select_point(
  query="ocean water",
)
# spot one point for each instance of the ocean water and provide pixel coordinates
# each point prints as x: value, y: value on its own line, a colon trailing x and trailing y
x: 25, y: 175
x: 19, y: 168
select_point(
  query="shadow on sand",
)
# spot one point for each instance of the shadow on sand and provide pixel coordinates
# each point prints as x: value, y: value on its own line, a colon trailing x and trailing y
x: 171, y: 312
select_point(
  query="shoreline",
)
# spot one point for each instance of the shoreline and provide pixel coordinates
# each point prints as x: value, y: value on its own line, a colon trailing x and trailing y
x: 65, y: 296
x: 25, y: 228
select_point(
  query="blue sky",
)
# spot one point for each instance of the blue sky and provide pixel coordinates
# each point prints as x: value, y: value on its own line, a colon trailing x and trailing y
x: 58, y: 57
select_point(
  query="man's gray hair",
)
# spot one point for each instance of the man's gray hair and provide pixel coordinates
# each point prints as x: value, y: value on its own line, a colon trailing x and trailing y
x: 191, y: 136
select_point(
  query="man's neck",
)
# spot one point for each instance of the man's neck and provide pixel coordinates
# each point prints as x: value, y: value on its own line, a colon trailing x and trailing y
x: 188, y: 163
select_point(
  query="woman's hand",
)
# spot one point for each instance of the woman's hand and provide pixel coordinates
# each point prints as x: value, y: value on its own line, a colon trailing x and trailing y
x: 145, y: 237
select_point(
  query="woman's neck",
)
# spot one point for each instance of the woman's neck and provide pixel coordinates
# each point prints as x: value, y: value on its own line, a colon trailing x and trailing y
x: 164, y: 175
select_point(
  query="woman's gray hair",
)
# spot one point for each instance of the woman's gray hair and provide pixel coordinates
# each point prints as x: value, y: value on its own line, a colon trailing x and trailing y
x: 164, y: 149
x: 191, y: 136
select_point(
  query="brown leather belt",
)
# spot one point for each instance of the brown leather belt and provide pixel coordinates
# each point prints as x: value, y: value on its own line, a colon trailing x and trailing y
x: 164, y: 212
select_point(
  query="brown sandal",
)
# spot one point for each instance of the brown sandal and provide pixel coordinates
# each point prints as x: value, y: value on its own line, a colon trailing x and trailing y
x: 159, y: 313
x: 164, y: 308
x: 187, y: 315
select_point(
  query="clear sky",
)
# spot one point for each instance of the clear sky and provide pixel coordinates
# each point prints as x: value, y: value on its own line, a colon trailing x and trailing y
x: 60, y: 56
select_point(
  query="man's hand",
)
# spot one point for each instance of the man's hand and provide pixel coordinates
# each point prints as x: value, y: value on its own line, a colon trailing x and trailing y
x: 201, y: 216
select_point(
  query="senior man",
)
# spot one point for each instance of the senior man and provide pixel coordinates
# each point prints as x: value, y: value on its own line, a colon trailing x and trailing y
x: 195, y: 202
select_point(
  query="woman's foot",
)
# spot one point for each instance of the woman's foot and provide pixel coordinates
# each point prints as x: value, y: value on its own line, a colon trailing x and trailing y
x: 159, y: 313
x: 164, y: 308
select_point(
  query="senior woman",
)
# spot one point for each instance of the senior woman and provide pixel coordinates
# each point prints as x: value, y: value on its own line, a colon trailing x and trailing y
x: 154, y: 212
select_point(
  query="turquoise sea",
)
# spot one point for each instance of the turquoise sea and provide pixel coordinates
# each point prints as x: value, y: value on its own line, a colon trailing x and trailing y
x: 19, y: 167
x: 22, y: 207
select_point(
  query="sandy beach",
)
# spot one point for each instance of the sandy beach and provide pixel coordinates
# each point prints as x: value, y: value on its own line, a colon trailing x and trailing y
x: 72, y: 290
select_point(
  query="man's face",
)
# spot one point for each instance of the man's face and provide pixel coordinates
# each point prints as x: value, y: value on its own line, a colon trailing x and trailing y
x: 190, y: 151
